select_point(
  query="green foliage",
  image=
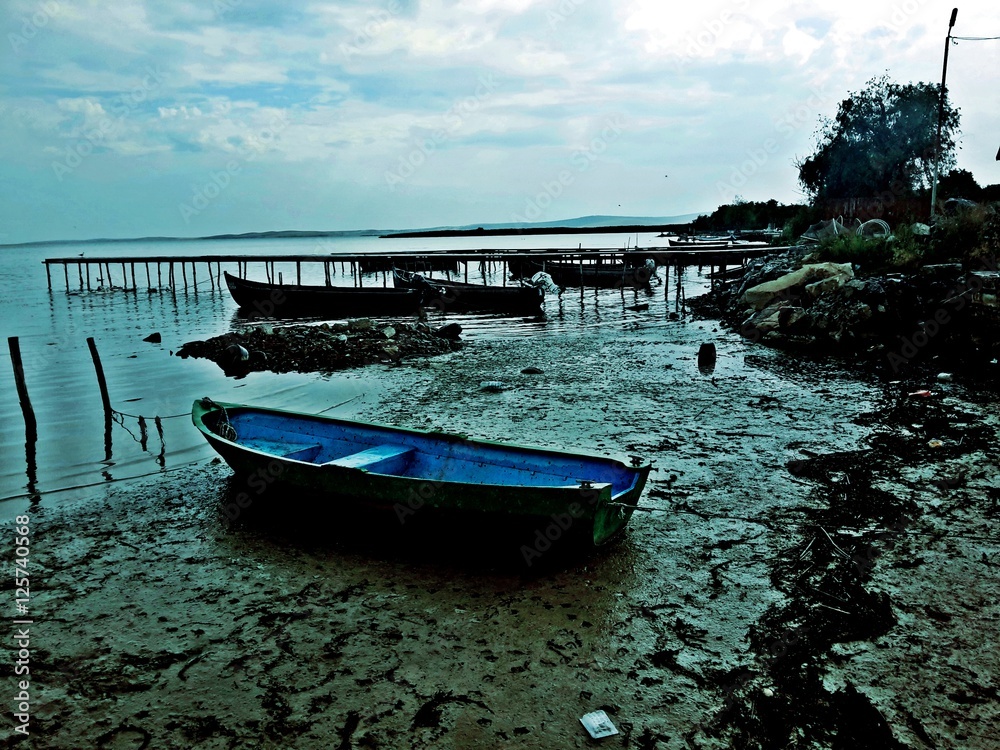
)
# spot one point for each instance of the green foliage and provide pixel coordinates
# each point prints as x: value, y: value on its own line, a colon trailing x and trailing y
x: 798, y: 223
x: 970, y: 237
x: 881, y: 143
x: 746, y: 215
x: 969, y: 234
x: 872, y: 255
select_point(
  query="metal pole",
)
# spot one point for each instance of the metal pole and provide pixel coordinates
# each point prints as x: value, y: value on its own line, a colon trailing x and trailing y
x: 937, y: 143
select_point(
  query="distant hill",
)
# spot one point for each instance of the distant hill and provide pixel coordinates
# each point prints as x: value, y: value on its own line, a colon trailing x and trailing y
x: 580, y: 224
x: 583, y: 224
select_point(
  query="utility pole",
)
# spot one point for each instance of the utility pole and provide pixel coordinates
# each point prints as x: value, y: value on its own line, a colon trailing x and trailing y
x: 937, y: 144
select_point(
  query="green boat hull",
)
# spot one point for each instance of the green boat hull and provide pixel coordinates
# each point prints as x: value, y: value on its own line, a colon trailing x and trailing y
x: 443, y: 477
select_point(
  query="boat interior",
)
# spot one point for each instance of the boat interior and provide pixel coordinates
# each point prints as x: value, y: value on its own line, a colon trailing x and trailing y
x: 383, y: 450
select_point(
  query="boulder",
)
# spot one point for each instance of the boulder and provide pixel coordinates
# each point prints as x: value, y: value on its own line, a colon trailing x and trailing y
x: 450, y: 331
x: 762, y: 295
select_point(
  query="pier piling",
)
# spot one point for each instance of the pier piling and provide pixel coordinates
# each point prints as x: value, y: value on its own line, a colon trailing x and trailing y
x: 22, y: 388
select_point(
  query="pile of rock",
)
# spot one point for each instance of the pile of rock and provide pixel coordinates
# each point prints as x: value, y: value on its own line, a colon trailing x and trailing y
x: 323, y: 348
x: 790, y: 300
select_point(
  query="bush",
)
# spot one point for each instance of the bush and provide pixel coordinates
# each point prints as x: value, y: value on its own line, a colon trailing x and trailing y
x: 970, y: 234
x: 900, y: 251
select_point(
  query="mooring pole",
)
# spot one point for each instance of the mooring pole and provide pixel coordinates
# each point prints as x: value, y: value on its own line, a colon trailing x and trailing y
x: 48, y: 274
x: 22, y: 389
x: 100, y: 376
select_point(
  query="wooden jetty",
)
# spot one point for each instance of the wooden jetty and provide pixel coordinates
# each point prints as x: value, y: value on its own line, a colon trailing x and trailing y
x: 89, y: 271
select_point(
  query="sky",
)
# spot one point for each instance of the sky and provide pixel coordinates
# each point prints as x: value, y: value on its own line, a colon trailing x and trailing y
x: 137, y: 118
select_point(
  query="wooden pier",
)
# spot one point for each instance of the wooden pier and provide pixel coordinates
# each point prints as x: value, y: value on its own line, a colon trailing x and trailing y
x: 101, y: 272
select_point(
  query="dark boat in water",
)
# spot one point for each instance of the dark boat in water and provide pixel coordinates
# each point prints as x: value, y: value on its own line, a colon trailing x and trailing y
x: 294, y: 300
x: 460, y: 297
x: 340, y: 464
x: 597, y: 274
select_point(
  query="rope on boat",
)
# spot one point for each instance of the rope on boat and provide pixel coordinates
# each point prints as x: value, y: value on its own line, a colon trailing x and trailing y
x: 223, y: 428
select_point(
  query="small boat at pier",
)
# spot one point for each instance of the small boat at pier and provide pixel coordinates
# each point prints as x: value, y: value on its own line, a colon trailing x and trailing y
x: 296, y: 300
x: 457, y: 296
x: 604, y: 274
x: 339, y: 463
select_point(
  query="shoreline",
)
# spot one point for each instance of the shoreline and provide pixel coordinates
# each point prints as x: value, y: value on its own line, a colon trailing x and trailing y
x: 160, y: 618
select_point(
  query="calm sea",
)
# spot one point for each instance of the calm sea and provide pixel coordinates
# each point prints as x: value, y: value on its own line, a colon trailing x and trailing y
x: 74, y: 450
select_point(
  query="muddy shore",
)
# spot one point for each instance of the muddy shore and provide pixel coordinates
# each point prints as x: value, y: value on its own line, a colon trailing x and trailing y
x: 819, y: 569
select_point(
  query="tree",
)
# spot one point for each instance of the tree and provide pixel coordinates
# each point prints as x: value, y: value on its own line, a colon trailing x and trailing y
x: 882, y: 141
x: 959, y: 183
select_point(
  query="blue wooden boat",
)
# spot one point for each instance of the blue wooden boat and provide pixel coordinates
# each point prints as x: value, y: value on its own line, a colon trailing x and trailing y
x: 349, y: 462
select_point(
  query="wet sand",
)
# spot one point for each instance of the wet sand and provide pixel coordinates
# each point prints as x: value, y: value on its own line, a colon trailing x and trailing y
x: 812, y: 570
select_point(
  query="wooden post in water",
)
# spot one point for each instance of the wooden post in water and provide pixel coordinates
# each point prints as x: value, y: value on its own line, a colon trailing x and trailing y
x: 22, y: 389
x: 298, y: 272
x: 66, y: 274
x: 48, y: 275
x: 101, y: 382
x: 88, y: 277
x: 211, y: 278
x: 135, y: 287
x: 124, y: 278
x: 194, y: 276
x: 159, y: 276
x: 79, y: 270
x: 184, y: 273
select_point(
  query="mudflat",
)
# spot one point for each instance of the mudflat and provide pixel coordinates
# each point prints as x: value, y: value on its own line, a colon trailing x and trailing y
x: 818, y: 569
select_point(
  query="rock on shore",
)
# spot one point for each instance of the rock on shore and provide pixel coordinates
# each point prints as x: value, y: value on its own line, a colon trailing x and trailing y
x: 322, y: 348
x: 790, y: 300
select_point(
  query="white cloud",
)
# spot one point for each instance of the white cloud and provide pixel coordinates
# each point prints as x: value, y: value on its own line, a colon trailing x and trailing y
x: 350, y: 88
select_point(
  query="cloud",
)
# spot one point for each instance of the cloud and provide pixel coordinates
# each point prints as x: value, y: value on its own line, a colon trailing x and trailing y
x: 491, y: 97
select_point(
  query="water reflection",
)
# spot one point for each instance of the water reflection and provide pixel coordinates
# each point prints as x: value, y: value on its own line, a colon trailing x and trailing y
x: 53, y: 324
